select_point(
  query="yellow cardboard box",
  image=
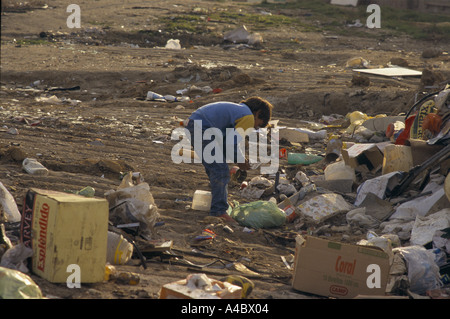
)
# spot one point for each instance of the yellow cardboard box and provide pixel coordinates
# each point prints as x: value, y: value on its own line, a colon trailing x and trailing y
x: 65, y: 229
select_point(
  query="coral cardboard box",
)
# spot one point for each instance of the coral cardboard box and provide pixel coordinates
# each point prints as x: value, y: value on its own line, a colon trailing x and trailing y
x: 339, y: 270
x: 65, y: 229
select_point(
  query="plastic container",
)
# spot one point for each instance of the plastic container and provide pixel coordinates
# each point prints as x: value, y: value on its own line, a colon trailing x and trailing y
x: 151, y: 96
x: 301, y: 158
x: 334, y: 147
x: 33, y: 167
x: 119, y: 249
x: 201, y: 200
x: 173, y: 44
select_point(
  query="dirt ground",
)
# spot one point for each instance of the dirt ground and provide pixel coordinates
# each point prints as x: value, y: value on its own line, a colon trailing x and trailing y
x: 107, y: 127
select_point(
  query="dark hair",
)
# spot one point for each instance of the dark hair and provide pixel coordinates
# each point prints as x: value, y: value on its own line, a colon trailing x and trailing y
x: 255, y: 103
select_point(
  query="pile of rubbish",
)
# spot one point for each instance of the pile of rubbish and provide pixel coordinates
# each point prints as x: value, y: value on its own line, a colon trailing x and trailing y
x: 101, y: 229
x: 372, y: 208
x: 383, y: 177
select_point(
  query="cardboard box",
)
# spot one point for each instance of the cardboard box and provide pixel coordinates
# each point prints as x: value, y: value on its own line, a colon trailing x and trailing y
x: 64, y: 229
x: 397, y: 158
x: 363, y: 154
x: 180, y: 290
x: 339, y: 270
x: 336, y: 185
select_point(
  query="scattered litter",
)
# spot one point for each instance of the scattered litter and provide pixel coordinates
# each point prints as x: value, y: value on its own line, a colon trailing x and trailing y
x: 14, y: 284
x: 133, y: 202
x: 378, y: 186
x: 339, y: 171
x: 259, y: 214
x: 15, y: 258
x: 173, y: 44
x: 301, y: 158
x: 152, y: 96
x: 8, y: 205
x: 241, y: 35
x: 423, y: 272
x: 426, y: 227
x: 119, y: 249
x: 33, y: 167
x: 368, y: 154
x: 356, y: 62
x: 207, y: 234
x: 390, y: 72
x: 121, y: 277
x: 13, y: 131
x: 313, y: 135
x: 324, y: 206
x: 353, y: 3
x: 53, y: 99
x: 246, y: 284
x: 200, y: 286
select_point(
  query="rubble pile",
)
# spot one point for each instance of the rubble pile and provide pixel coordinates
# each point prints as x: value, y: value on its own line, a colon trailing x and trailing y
x: 376, y: 189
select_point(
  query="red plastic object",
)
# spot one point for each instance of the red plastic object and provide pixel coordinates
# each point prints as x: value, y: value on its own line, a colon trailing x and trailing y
x: 404, y: 135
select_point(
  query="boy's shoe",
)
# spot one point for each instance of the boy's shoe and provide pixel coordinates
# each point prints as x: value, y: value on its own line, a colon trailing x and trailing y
x: 227, y: 218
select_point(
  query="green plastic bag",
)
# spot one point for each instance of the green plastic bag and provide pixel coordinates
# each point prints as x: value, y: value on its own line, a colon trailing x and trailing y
x: 259, y: 214
x: 17, y: 285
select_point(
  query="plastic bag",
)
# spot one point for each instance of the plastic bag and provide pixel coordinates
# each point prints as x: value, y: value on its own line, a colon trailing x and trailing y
x: 14, y: 258
x: 425, y: 227
x: 133, y: 203
x: 8, y: 205
x: 423, y: 272
x: 17, y: 285
x: 259, y: 214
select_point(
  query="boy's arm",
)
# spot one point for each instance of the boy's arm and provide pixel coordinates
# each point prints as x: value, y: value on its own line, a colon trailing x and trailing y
x: 242, y: 125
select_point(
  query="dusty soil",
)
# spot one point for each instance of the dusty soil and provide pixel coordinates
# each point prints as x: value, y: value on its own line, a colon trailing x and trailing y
x: 110, y: 128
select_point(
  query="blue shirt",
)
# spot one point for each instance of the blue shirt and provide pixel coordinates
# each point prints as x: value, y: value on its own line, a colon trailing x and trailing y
x: 223, y: 115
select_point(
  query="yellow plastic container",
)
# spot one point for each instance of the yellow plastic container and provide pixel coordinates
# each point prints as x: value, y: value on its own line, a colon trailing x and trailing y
x: 119, y: 249
x: 65, y: 229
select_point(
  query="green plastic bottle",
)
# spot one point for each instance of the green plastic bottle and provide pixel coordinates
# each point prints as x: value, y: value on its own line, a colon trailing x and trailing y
x: 302, y: 158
